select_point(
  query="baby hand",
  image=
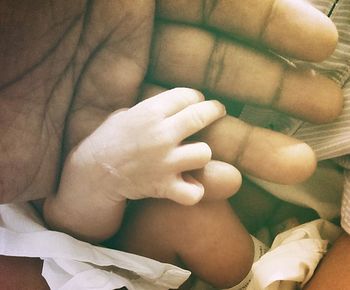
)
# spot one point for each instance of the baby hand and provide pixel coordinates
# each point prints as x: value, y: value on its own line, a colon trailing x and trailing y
x: 139, y: 152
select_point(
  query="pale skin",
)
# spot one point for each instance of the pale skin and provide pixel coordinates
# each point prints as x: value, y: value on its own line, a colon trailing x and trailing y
x: 138, y: 153
x: 134, y: 154
x: 89, y: 62
x: 63, y: 89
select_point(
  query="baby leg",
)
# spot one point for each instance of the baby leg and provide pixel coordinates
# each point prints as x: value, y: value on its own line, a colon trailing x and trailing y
x: 207, y: 238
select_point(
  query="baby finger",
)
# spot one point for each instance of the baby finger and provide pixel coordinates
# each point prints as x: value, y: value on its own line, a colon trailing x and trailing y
x: 190, y: 156
x: 194, y: 118
x: 185, y: 190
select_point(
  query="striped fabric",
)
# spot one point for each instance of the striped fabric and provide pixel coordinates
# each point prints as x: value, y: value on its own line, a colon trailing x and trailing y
x: 328, y: 140
x: 333, y: 140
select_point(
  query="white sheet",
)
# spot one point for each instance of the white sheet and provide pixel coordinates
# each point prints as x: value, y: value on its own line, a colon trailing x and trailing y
x: 73, y: 264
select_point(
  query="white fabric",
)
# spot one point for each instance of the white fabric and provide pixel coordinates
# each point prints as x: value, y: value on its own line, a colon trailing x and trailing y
x: 72, y: 264
x: 293, y: 257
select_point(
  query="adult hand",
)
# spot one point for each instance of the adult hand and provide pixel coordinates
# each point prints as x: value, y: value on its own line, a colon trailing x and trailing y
x: 67, y: 65
x: 221, y: 61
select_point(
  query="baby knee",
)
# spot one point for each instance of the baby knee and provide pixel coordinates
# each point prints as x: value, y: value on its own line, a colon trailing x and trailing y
x: 245, y: 275
x: 238, y: 265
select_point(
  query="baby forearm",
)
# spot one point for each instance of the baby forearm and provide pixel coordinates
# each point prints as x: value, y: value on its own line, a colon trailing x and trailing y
x: 81, y: 207
x: 90, y: 224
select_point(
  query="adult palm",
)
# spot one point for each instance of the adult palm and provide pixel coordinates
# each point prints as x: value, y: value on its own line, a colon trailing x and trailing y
x: 66, y: 65
x: 86, y: 58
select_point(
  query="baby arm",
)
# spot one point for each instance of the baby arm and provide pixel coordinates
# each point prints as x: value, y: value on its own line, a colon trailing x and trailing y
x: 135, y: 153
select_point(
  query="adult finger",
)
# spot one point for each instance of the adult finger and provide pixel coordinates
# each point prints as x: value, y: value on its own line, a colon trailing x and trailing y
x: 192, y: 119
x: 290, y: 27
x: 170, y: 102
x: 272, y: 156
x: 219, y: 179
x: 259, y: 152
x: 189, y: 56
x: 189, y: 156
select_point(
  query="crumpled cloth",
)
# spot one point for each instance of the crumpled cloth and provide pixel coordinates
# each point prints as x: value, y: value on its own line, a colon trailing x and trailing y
x: 293, y: 257
x: 72, y: 264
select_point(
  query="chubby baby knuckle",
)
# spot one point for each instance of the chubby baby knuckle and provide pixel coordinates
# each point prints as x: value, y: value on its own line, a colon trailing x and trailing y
x: 158, y: 191
x: 165, y: 189
x: 162, y: 136
x: 154, y: 112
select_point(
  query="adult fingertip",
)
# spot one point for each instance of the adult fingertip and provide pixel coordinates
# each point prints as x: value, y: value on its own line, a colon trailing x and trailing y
x: 298, y: 29
x: 325, y: 39
x: 332, y: 100
x: 281, y: 159
x: 300, y: 163
x: 310, y: 96
x: 328, y: 40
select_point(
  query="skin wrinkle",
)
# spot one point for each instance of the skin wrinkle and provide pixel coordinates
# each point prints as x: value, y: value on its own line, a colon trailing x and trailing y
x: 43, y: 59
x: 49, y: 120
x: 86, y: 19
x: 85, y: 67
x: 19, y: 112
x: 56, y: 84
x: 154, y: 58
x: 215, y: 65
x: 45, y: 147
x: 101, y: 45
x: 51, y: 4
x: 123, y: 38
x: 207, y: 8
x: 32, y: 176
x: 38, y: 168
x: 78, y: 57
x: 267, y: 21
x: 46, y: 109
x: 243, y: 145
x: 127, y: 36
x: 86, y: 105
x: 94, y: 53
x: 277, y: 95
x: 57, y: 24
x: 210, y: 63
